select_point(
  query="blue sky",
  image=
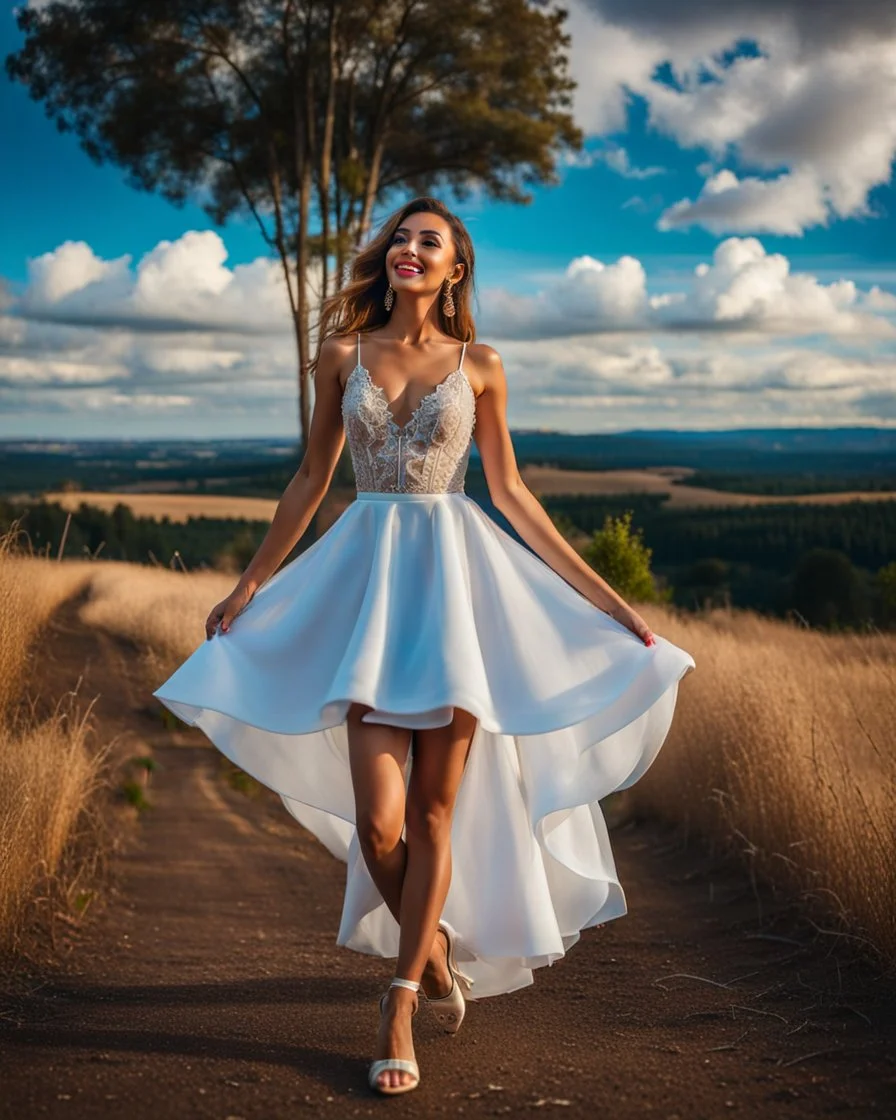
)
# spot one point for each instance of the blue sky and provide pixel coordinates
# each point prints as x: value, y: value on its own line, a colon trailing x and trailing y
x: 708, y: 147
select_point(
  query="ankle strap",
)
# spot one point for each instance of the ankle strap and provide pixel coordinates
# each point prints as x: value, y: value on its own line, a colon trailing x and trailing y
x: 399, y: 982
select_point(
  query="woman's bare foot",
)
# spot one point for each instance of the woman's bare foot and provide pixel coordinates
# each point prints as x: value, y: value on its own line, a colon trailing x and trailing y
x: 436, y: 980
x: 395, y: 1038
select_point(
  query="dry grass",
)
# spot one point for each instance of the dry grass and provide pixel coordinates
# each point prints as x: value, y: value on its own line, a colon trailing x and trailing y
x: 48, y: 771
x: 161, y: 611
x: 49, y: 774
x: 782, y: 744
x: 31, y: 588
x: 782, y: 748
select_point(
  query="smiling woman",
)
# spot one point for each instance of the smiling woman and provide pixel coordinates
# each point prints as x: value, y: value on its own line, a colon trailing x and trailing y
x: 441, y: 706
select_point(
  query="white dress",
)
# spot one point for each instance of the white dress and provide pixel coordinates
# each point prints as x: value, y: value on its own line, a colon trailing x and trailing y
x: 412, y: 602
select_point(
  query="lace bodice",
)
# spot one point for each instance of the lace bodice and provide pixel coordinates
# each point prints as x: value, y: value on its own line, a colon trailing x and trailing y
x: 428, y: 454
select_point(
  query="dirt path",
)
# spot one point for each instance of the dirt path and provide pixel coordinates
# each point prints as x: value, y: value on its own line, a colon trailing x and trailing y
x: 211, y: 986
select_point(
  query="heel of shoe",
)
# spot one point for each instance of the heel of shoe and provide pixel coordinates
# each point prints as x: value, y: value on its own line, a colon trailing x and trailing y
x: 450, y: 1009
x: 465, y: 981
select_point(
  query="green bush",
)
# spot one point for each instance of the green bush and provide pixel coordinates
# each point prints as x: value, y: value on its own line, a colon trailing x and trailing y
x: 620, y: 556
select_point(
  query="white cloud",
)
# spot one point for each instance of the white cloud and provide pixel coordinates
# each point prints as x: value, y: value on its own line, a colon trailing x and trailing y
x: 618, y: 159
x: 589, y: 295
x: 746, y: 285
x: 606, y: 62
x: 785, y: 205
x: 594, y: 348
x: 178, y: 284
x: 603, y: 383
x: 809, y: 123
x: 879, y: 300
x: 817, y: 22
x: 743, y: 288
x: 179, y: 333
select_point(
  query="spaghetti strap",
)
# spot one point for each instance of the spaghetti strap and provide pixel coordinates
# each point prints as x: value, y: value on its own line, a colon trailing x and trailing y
x: 359, y: 347
x: 463, y: 351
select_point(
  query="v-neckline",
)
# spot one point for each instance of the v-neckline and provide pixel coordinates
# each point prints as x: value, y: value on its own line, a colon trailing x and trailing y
x: 388, y: 404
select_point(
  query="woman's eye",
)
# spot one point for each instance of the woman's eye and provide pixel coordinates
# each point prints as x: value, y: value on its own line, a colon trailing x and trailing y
x: 429, y: 241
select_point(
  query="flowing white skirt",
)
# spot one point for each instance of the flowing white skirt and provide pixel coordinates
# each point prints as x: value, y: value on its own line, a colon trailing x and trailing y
x: 414, y: 604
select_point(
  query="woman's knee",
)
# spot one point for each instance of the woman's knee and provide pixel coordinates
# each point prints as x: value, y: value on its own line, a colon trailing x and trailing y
x: 428, y: 821
x: 379, y: 832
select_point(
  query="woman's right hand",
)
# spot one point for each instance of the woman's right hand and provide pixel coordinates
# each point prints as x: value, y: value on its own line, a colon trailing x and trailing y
x: 223, y: 613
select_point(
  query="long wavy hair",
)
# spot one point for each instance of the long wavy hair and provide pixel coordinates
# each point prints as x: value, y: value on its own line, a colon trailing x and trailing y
x: 358, y: 305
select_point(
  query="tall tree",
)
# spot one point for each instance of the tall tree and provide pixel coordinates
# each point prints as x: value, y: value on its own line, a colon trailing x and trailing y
x: 306, y: 114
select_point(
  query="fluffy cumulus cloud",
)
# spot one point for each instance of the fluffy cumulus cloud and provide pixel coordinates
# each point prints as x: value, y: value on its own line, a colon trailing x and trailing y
x: 786, y: 204
x: 687, y: 382
x: 179, y: 339
x: 743, y: 288
x: 741, y: 340
x: 588, y: 296
x: 181, y: 344
x: 807, y: 118
x: 183, y: 284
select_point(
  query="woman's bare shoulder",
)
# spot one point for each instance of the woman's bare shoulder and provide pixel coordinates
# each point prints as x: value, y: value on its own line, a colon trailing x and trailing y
x: 337, y: 345
x: 486, y: 364
x: 484, y: 355
x: 337, y: 358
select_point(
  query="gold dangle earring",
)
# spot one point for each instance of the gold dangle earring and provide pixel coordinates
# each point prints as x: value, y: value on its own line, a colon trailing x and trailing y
x: 389, y: 298
x: 448, y: 303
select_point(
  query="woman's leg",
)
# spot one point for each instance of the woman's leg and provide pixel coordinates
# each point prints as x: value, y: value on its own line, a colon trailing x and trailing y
x: 440, y: 756
x: 378, y: 755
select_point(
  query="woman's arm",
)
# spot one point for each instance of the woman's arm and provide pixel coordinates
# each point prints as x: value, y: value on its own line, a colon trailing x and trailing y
x: 309, y: 485
x: 519, y: 505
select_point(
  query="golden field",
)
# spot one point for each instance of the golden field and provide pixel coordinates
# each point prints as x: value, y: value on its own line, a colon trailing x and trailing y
x: 49, y: 772
x: 782, y: 745
x: 782, y: 748
x: 544, y: 481
x: 549, y: 481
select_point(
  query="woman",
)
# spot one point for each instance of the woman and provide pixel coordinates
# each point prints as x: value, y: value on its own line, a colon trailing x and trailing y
x: 441, y: 706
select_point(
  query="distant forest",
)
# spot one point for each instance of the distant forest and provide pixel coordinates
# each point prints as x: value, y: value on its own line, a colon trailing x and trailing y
x: 761, y: 557
x: 823, y: 561
x: 766, y: 461
x: 833, y: 565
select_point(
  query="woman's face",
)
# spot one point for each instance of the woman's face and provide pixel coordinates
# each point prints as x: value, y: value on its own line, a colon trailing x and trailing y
x: 422, y: 255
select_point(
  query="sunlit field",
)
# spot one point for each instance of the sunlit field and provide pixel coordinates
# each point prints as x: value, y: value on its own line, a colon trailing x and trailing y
x: 782, y: 743
x: 547, y: 481
x: 30, y: 591
x: 781, y: 747
x: 544, y: 481
x: 163, y: 612
x: 49, y: 771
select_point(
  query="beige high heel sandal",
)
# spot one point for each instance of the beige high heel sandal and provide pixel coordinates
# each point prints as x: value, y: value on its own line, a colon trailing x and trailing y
x: 405, y: 1065
x: 450, y: 1009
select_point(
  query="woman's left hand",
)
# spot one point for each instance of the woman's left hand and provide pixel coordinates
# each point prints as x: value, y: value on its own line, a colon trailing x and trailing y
x: 629, y: 617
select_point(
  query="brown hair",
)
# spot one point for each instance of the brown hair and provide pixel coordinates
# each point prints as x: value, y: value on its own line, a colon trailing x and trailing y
x: 358, y: 306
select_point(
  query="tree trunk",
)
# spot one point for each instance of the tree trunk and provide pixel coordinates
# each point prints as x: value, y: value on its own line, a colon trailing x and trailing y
x: 326, y: 155
x: 372, y: 188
